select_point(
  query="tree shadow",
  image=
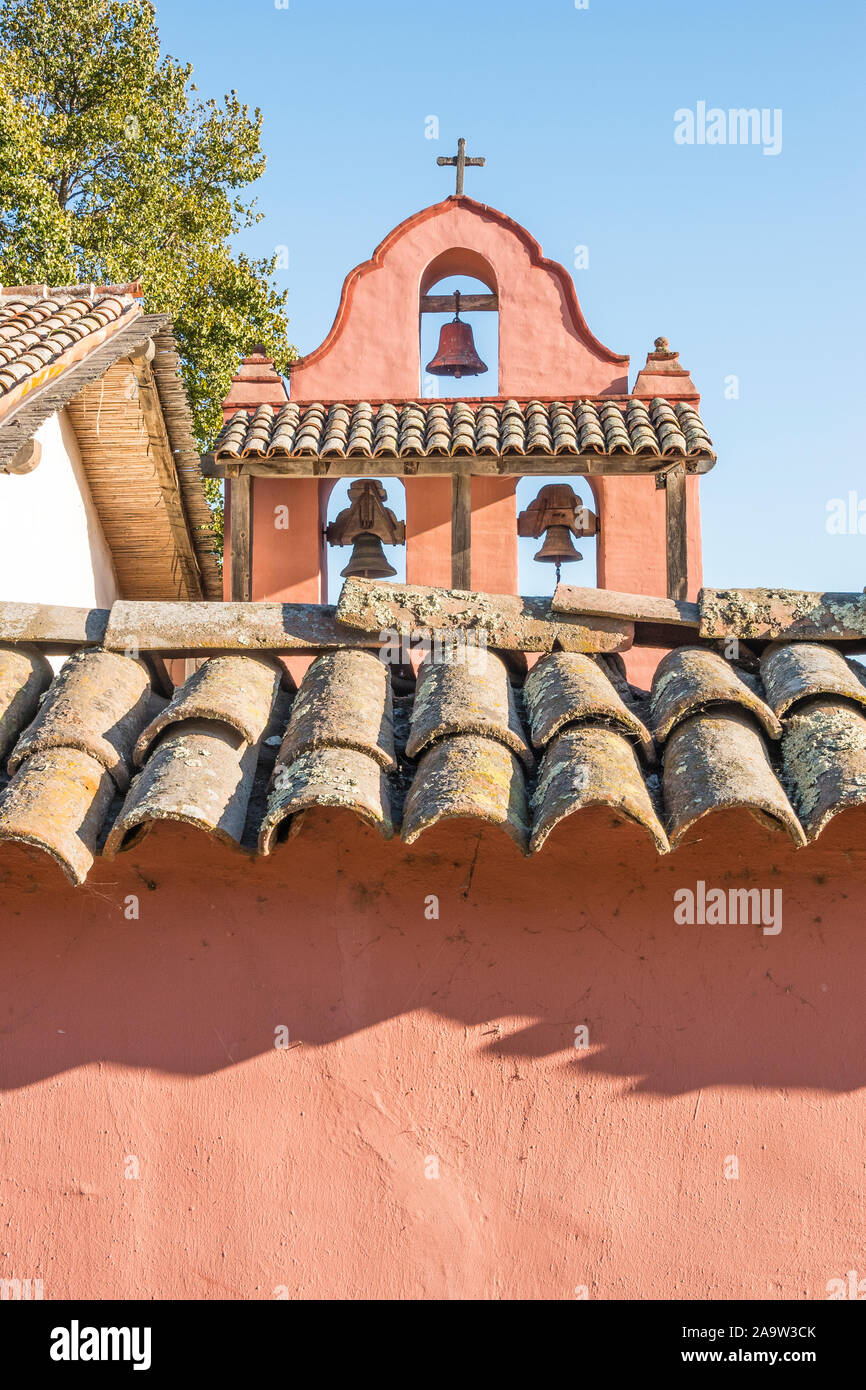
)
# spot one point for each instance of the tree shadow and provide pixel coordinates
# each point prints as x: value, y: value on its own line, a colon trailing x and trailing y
x: 338, y: 932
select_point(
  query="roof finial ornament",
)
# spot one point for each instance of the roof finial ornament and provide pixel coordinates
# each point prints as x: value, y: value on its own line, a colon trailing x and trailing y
x: 461, y: 161
x: 662, y: 350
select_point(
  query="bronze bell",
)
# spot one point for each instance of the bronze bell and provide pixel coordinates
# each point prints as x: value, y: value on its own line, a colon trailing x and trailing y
x: 556, y: 514
x: 558, y: 548
x: 456, y: 355
x: 368, y: 559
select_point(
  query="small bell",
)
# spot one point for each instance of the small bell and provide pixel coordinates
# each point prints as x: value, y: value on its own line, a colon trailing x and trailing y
x: 558, y: 548
x: 556, y: 514
x: 456, y: 355
x: 368, y: 559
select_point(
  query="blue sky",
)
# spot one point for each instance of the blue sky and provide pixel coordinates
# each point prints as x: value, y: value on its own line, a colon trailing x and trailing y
x: 751, y: 264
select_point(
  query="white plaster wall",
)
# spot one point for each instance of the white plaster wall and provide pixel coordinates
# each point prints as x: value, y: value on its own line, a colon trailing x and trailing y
x: 52, y: 546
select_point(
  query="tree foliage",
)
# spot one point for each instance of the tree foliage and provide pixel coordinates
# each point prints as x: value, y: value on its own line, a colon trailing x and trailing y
x: 113, y: 169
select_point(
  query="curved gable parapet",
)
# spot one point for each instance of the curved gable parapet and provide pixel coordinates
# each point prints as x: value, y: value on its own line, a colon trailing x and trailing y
x: 372, y: 348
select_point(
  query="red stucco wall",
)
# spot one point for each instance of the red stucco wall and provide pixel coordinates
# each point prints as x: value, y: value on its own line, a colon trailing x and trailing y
x: 372, y: 351
x: 416, y: 1039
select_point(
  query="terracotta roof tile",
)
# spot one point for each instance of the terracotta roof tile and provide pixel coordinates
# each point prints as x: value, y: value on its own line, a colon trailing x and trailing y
x: 592, y: 765
x: 421, y: 429
x: 24, y: 676
x: 468, y: 776
x: 237, y: 691
x: 99, y: 703
x: 58, y: 802
x: 335, y: 777
x: 338, y: 747
x: 37, y: 328
x: 201, y: 752
x: 200, y: 773
x: 570, y: 688
x: 471, y: 694
x: 233, y: 755
x: 344, y: 702
x: 824, y: 761
x: 717, y: 761
x: 796, y: 670
x: 693, y: 678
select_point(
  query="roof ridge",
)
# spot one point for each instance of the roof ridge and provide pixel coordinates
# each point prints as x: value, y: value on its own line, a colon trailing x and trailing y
x: 88, y: 290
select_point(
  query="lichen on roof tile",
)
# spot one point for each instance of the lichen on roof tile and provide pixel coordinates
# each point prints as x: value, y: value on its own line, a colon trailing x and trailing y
x: 236, y: 690
x: 794, y: 671
x: 468, y: 777
x: 337, y: 778
x: 689, y: 679
x: 24, y: 676
x: 716, y: 761
x: 200, y: 773
x: 592, y: 766
x: 566, y: 688
x: 470, y: 694
x: 57, y: 802
x: 824, y: 760
x: 99, y: 702
x: 344, y: 702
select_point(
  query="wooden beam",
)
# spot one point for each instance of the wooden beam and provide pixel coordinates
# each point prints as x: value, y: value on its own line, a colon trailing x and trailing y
x: 141, y: 358
x: 643, y: 608
x: 25, y: 459
x: 444, y: 465
x: 240, y: 510
x: 469, y: 303
x: 676, y: 531
x: 461, y: 531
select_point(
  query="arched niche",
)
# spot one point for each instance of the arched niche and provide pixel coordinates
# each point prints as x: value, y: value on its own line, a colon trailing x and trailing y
x: 334, y: 497
x: 459, y: 268
x: 540, y: 578
x: 459, y: 260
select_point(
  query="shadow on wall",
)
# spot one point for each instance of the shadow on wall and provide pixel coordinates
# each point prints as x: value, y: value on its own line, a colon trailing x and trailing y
x: 335, y: 934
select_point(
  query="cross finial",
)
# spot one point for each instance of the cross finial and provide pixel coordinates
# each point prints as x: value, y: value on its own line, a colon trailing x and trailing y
x: 461, y: 161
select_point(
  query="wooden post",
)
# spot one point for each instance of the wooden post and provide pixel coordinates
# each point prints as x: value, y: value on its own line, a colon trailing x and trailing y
x: 676, y: 532
x: 241, y: 538
x: 461, y: 528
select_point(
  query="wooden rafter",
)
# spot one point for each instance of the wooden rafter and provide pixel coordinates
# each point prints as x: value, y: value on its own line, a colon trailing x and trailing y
x: 444, y: 465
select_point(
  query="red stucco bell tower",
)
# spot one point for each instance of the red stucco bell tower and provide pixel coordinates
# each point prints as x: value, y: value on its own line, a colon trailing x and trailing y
x: 548, y: 360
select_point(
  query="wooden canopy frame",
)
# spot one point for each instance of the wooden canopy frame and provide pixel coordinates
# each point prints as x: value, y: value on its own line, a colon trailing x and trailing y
x: 669, y: 474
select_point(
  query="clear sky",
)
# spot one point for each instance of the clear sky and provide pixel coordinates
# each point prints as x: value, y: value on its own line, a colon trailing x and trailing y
x: 752, y: 264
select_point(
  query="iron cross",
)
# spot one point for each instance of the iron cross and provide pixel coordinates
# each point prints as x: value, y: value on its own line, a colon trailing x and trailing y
x: 461, y: 161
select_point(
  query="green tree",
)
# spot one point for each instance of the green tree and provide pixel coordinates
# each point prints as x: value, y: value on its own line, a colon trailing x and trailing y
x: 113, y: 169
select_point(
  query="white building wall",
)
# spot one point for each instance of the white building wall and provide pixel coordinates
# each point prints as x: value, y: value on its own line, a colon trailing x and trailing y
x: 52, y: 546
